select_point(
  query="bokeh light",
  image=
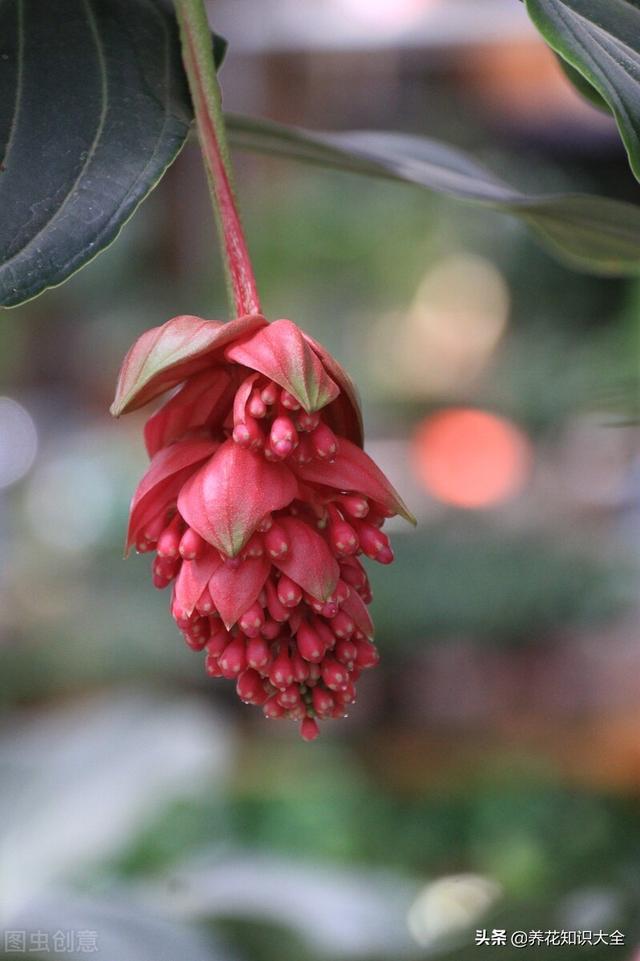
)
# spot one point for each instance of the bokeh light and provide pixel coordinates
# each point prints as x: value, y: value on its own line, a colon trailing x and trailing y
x: 70, y: 499
x: 393, y: 13
x: 471, y: 458
x: 449, y: 905
x: 449, y: 333
x: 18, y: 441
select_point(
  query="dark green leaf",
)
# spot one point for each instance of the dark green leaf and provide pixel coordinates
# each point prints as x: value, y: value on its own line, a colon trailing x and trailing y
x: 93, y: 108
x: 593, y: 233
x: 600, y: 39
x: 582, y: 85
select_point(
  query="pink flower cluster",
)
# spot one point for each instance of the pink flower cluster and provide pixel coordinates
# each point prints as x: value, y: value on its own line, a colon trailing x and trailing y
x: 258, y: 503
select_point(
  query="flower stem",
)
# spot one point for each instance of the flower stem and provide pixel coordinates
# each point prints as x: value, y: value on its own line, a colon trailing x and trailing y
x: 197, y: 55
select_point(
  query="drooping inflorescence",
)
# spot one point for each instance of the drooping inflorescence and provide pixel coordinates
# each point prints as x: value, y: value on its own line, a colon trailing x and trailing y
x: 258, y: 504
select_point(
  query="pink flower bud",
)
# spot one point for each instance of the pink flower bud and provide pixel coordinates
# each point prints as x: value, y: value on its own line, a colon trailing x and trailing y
x: 309, y: 729
x: 256, y: 406
x: 304, y: 452
x: 326, y: 634
x: 281, y: 671
x: 258, y: 653
x: 169, y: 540
x: 346, y: 652
x: 289, y: 593
x: 191, y: 545
x: 272, y: 709
x: 367, y: 655
x: 353, y: 574
x: 218, y: 640
x: 347, y: 693
x: 278, y: 611
x: 329, y: 610
x: 323, y: 702
x: 354, y: 506
x: 342, y: 537
x: 254, y: 548
x: 290, y: 697
x: 334, y: 674
x: 374, y: 543
x: 248, y: 435
x: 310, y: 645
x: 276, y: 541
x: 300, y: 668
x: 342, y: 625
x: 269, y: 394
x: 249, y: 688
x: 233, y: 659
x: 164, y: 571
x: 283, y: 437
x: 252, y: 620
x: 212, y: 667
x: 324, y: 442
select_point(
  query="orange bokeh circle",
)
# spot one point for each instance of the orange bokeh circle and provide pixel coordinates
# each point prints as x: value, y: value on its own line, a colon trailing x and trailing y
x: 471, y: 458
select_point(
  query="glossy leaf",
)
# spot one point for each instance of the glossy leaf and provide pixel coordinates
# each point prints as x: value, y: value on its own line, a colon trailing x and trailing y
x: 600, y: 39
x: 93, y: 107
x: 591, y: 232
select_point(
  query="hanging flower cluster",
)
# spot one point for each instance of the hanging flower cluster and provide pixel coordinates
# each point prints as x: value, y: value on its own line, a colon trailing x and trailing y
x: 258, y: 504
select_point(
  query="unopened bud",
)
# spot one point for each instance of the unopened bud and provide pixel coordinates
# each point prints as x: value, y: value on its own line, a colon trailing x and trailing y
x: 309, y: 729
x: 191, y: 545
x: 289, y: 593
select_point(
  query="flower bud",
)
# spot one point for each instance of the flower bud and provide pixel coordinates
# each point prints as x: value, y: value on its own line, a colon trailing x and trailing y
x: 324, y: 442
x: 276, y: 541
x: 249, y: 688
x: 169, y: 540
x: 346, y: 652
x: 310, y: 645
x: 289, y: 594
x: 354, y: 505
x: 272, y: 709
x: 334, y: 674
x: 191, y: 545
x: 281, y: 671
x: 233, y: 659
x: 342, y: 625
x: 283, y: 437
x: 309, y: 729
x: 252, y: 620
x: 258, y: 653
x: 323, y: 702
x: 367, y: 655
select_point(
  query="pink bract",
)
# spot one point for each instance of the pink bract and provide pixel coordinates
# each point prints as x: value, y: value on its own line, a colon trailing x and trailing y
x: 258, y: 505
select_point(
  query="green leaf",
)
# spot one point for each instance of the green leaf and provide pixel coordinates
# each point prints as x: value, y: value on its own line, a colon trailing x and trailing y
x: 600, y: 39
x: 93, y: 108
x: 582, y: 85
x: 593, y: 233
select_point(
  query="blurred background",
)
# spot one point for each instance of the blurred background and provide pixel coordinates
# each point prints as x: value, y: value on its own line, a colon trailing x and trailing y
x: 489, y: 775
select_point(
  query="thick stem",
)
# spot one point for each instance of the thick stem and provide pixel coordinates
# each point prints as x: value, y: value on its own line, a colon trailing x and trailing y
x: 197, y: 55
